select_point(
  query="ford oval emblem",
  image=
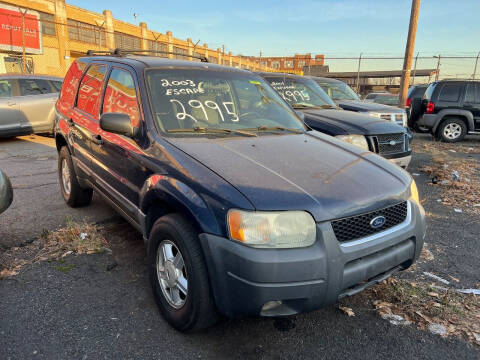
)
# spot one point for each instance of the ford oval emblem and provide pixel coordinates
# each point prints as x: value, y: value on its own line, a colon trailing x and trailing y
x: 393, y: 142
x: 378, y: 222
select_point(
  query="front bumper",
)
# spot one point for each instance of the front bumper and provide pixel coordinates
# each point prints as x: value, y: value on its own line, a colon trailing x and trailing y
x: 244, y: 279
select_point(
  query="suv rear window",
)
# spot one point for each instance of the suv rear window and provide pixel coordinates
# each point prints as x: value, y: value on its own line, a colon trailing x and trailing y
x: 90, y: 89
x: 449, y: 92
x: 429, y: 92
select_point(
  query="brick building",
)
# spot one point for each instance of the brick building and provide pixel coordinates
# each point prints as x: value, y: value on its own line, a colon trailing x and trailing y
x: 291, y: 64
x: 56, y: 33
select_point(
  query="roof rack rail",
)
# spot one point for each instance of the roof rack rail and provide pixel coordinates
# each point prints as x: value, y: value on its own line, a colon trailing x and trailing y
x: 459, y: 79
x: 122, y: 52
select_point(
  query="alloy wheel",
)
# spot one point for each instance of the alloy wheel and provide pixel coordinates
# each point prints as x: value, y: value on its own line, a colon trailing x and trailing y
x: 67, y: 185
x: 172, y: 274
x: 452, y: 131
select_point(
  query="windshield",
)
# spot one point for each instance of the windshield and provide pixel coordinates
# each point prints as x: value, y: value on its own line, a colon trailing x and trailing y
x: 198, y: 99
x: 301, y: 93
x: 387, y: 99
x: 338, y: 91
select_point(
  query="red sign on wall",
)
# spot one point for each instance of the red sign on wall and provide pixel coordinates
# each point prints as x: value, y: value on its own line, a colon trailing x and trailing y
x: 11, y: 30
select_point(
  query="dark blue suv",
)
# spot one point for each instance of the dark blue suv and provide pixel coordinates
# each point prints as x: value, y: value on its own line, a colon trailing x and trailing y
x: 243, y: 210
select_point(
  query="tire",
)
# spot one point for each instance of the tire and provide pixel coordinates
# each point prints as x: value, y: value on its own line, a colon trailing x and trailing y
x: 73, y: 194
x: 452, y: 130
x: 186, y: 310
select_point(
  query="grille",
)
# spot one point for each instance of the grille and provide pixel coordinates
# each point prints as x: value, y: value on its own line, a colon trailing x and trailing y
x: 383, y: 143
x: 356, y: 227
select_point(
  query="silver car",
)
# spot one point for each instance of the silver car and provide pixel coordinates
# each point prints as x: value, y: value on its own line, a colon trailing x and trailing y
x: 27, y: 104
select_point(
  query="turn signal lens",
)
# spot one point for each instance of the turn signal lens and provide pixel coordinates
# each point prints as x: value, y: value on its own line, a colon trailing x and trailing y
x: 414, y: 192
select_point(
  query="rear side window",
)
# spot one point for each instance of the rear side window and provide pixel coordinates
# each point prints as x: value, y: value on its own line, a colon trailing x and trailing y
x: 5, y: 88
x: 472, y: 94
x: 91, y: 88
x: 120, y: 95
x: 70, y: 83
x: 429, y: 92
x: 449, y: 92
x: 34, y: 87
x: 57, y: 85
x: 418, y: 92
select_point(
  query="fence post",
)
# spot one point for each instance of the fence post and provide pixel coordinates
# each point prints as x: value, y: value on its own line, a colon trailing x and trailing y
x: 109, y: 32
x: 144, y: 31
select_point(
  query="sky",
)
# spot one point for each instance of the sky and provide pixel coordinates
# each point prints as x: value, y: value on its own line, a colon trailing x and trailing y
x: 335, y: 28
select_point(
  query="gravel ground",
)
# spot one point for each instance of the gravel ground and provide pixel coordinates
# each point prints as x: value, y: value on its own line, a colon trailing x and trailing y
x: 103, y: 306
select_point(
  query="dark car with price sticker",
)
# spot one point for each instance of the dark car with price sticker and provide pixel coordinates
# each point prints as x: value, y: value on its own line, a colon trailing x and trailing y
x: 319, y: 112
x: 243, y: 209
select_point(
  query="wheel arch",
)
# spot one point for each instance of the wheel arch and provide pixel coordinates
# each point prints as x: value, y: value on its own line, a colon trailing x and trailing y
x: 463, y: 115
x: 162, y: 195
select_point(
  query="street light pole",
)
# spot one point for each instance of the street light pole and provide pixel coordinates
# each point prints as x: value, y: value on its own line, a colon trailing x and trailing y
x: 438, y: 67
x: 358, y: 74
x: 407, y: 61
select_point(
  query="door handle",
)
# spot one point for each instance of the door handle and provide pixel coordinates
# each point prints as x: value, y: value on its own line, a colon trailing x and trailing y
x: 97, y: 139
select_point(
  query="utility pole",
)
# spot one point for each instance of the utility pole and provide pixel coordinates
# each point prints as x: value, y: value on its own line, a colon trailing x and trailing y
x: 475, y: 68
x: 438, y: 67
x: 358, y: 74
x: 24, y: 64
x: 407, y: 61
x: 415, y: 69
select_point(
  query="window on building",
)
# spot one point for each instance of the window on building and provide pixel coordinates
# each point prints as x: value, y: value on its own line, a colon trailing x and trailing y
x: 126, y: 41
x: 120, y: 96
x: 80, y: 31
x: 449, y: 92
x: 158, y: 46
x: 276, y: 64
x: 34, y: 87
x: 48, y: 23
x: 91, y: 88
x: 180, y: 52
x: 213, y: 60
x: 263, y: 63
x: 302, y: 63
x: 289, y: 64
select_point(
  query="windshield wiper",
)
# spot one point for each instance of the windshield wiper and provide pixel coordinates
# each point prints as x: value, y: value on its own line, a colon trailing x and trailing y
x: 304, y: 106
x: 206, y: 130
x: 274, y: 128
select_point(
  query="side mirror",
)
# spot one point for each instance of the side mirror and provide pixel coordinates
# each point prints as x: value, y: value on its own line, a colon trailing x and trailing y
x: 118, y: 123
x: 300, y: 114
x: 6, y: 192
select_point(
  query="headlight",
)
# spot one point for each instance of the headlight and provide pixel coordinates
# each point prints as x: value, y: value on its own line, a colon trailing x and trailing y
x: 277, y: 229
x: 414, y: 192
x: 375, y: 114
x: 358, y: 140
x: 404, y: 120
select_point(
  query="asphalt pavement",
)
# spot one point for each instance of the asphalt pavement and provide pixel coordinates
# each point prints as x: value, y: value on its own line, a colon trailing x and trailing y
x: 31, y: 164
x: 103, y: 307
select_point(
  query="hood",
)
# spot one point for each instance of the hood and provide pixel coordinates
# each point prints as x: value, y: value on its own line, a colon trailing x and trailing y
x: 340, y: 122
x: 311, y: 171
x: 357, y: 105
